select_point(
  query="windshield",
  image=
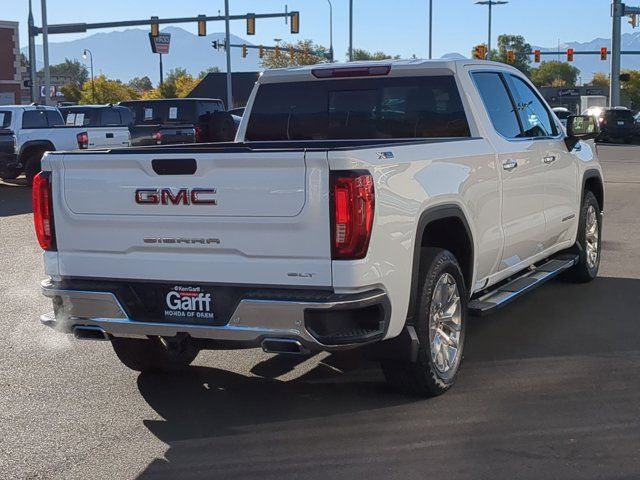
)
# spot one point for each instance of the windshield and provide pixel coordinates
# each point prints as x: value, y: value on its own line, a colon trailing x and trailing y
x: 381, y: 108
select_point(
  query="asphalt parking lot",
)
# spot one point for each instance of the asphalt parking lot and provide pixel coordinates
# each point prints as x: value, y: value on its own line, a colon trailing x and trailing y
x: 550, y: 388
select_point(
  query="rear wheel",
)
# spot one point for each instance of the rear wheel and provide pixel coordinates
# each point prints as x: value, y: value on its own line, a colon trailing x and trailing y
x: 440, y: 324
x: 588, y: 243
x: 154, y: 354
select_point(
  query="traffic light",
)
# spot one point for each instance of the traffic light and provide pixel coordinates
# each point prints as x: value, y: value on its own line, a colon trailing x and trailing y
x: 155, y: 28
x: 292, y: 53
x: 511, y: 56
x: 536, y: 56
x: 261, y: 51
x: 569, y: 54
x: 251, y: 23
x: 633, y: 20
x: 244, y: 51
x: 480, y: 52
x: 202, y: 26
x: 603, y: 53
x: 295, y: 22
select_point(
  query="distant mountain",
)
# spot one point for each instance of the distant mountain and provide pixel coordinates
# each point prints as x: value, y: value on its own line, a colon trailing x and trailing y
x: 127, y: 54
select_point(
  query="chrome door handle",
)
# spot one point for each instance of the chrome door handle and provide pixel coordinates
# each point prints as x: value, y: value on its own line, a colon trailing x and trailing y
x: 549, y: 159
x: 509, y: 165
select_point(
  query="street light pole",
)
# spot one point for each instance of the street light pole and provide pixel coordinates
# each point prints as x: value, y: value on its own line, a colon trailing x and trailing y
x: 351, y: 30
x: 93, y: 87
x: 227, y: 44
x: 490, y: 3
x: 330, y: 30
x: 617, y: 10
x: 45, y: 53
x: 430, y: 29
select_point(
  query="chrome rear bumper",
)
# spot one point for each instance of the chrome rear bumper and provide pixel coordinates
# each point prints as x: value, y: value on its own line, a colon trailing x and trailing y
x: 252, y: 321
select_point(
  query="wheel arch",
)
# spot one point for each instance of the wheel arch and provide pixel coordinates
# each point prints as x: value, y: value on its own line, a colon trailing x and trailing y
x: 443, y: 226
x: 47, y: 145
x: 592, y: 181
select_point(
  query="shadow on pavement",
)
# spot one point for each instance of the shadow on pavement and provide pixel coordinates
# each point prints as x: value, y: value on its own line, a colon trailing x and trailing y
x: 528, y: 385
x: 15, y: 198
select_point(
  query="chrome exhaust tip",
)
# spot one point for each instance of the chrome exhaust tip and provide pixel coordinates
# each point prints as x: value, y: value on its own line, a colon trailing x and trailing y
x: 284, y: 345
x: 88, y: 332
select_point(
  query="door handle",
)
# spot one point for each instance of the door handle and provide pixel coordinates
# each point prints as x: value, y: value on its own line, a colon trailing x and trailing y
x: 549, y: 159
x: 509, y: 165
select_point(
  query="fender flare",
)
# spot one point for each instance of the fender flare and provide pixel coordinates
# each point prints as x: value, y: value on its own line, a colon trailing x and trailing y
x: 428, y: 216
x: 589, y: 174
x: 46, y: 144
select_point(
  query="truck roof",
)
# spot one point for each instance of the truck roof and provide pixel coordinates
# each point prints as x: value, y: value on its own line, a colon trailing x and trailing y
x: 415, y: 65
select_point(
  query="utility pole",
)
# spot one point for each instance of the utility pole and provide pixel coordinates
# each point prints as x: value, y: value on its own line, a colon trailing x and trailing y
x: 227, y: 43
x: 617, y: 10
x: 32, y: 57
x: 351, y: 30
x: 430, y: 29
x: 45, y: 53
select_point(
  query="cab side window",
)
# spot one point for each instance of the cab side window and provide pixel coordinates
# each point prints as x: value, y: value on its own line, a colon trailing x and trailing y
x: 498, y: 104
x: 535, y: 117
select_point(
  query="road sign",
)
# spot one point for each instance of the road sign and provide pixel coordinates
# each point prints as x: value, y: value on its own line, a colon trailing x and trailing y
x: 161, y: 43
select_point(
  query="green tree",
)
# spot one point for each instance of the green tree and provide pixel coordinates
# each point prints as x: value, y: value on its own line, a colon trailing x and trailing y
x: 315, y: 54
x: 632, y: 88
x: 71, y: 92
x: 177, y: 84
x: 204, y: 73
x: 72, y: 68
x: 361, y: 54
x: 106, y: 91
x: 521, y: 49
x: 141, y: 84
x: 554, y: 74
x: 600, y: 80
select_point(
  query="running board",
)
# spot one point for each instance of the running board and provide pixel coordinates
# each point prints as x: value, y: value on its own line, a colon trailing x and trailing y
x: 514, y: 288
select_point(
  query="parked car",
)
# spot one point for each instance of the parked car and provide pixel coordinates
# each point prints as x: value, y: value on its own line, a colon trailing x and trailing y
x: 180, y: 120
x: 107, y: 116
x: 39, y: 129
x: 562, y: 113
x: 8, y: 145
x: 616, y: 124
x: 371, y: 205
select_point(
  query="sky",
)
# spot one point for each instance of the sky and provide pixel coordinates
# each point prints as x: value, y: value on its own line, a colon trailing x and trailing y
x: 398, y: 27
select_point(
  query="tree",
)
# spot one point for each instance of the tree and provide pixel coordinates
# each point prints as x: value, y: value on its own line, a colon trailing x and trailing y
x: 554, y: 74
x: 632, y: 88
x: 315, y: 54
x: 107, y: 91
x: 141, y: 84
x: 204, y: 73
x: 177, y: 84
x: 71, y: 92
x: 521, y: 49
x: 600, y: 80
x: 361, y: 54
x: 71, y: 68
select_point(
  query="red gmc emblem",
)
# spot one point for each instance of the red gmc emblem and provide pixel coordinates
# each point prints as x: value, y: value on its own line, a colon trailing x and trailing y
x: 184, y: 196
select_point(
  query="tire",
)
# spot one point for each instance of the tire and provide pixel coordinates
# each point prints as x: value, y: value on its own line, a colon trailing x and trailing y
x: 429, y: 375
x: 587, y: 245
x: 151, y: 355
x: 32, y: 165
x: 10, y: 174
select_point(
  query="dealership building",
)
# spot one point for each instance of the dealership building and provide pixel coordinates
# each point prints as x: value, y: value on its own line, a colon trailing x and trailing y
x: 10, y: 69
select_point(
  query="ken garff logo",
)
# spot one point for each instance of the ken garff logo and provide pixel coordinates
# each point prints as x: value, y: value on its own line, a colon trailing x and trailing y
x: 385, y: 155
x: 184, y: 196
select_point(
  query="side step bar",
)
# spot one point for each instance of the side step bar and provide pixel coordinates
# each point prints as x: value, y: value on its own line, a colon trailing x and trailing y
x: 506, y: 292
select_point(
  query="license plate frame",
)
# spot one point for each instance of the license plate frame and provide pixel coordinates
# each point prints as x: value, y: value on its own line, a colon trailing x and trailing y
x: 188, y: 304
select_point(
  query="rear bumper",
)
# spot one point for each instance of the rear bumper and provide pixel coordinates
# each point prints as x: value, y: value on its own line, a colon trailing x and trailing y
x: 326, y: 322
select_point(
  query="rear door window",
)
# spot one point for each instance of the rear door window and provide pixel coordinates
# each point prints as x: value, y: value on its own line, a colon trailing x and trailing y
x: 498, y: 103
x: 54, y: 118
x: 372, y: 108
x: 34, y: 119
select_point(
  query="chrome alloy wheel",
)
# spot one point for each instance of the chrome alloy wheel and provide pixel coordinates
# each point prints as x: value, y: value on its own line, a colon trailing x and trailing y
x: 592, y: 236
x: 445, y: 324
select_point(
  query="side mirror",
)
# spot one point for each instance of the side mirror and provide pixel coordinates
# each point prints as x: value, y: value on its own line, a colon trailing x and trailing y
x: 581, y: 127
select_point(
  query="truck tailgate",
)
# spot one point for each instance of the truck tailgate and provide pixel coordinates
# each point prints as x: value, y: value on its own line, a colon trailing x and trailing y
x: 240, y: 217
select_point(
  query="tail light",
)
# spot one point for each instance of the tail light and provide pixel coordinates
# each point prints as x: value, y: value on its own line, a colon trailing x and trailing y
x: 353, y: 207
x: 43, y: 210
x: 157, y: 136
x: 83, y: 140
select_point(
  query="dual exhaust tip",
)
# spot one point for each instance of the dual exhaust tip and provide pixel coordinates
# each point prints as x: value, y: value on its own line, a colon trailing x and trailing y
x: 87, y: 332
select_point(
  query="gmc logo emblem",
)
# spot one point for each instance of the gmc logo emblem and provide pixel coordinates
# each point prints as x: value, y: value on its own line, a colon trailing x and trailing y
x: 184, y: 196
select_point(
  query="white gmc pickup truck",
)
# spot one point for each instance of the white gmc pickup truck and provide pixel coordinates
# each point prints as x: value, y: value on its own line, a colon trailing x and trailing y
x: 365, y: 204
